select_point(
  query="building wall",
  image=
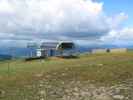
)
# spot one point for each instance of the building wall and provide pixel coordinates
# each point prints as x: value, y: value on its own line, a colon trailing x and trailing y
x: 41, y: 53
x: 99, y: 51
x: 118, y: 50
x: 114, y: 50
x: 49, y: 53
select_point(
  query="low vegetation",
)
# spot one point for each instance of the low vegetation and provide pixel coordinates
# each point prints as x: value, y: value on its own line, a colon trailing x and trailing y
x: 69, y: 79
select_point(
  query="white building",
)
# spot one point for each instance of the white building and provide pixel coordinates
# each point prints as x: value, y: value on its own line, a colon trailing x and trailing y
x: 63, y: 48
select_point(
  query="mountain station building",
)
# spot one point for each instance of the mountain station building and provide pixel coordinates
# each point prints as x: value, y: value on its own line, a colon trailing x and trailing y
x: 63, y: 48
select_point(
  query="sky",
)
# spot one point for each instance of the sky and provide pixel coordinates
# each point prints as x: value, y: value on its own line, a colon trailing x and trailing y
x: 125, y: 33
x: 81, y: 21
x: 116, y: 6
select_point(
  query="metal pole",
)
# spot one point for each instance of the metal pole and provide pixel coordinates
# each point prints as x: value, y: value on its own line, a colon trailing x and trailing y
x: 8, y: 68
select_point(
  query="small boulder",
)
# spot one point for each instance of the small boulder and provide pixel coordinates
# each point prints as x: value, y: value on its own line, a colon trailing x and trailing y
x: 103, y: 97
x: 118, y: 97
x: 2, y: 93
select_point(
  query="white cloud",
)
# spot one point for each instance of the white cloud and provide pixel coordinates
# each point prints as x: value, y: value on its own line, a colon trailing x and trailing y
x: 5, y: 7
x: 123, y: 36
x: 54, y: 19
x: 116, y: 20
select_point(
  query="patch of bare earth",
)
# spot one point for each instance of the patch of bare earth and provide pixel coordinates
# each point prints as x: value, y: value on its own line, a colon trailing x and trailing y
x: 57, y: 86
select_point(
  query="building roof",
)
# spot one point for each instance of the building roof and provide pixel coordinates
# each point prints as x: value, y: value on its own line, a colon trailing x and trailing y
x: 55, y: 45
x: 49, y: 45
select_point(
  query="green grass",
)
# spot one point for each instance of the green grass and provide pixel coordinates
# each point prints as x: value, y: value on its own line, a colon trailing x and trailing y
x: 105, y: 69
x: 111, y: 63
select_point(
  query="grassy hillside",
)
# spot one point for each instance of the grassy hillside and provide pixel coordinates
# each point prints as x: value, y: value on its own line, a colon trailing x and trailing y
x: 20, y: 80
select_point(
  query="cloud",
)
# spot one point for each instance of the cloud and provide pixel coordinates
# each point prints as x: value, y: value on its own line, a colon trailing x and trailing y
x: 116, y: 20
x: 119, y: 37
x: 34, y: 20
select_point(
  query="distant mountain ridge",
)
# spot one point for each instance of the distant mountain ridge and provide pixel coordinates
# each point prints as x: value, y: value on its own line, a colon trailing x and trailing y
x: 5, y: 57
x: 17, y: 52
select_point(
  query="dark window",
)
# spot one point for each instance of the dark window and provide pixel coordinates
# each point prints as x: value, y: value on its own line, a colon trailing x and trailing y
x: 67, y: 45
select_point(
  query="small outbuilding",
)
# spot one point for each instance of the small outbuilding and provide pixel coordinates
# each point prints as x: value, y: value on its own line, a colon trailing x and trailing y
x: 118, y: 50
x: 111, y: 50
x: 63, y: 48
x: 97, y: 51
